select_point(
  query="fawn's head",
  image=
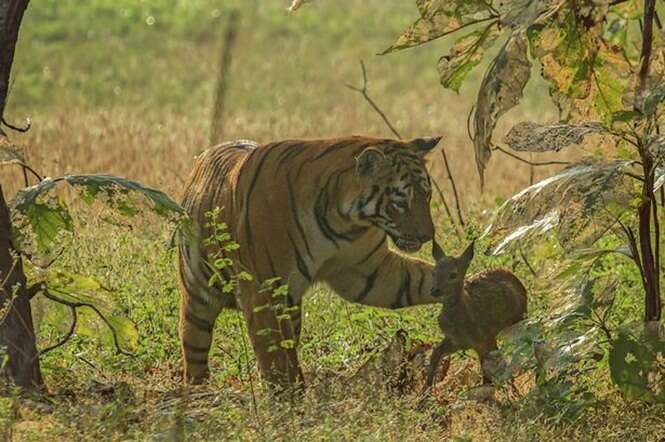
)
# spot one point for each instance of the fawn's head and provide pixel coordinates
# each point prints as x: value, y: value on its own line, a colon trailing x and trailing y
x: 450, y: 271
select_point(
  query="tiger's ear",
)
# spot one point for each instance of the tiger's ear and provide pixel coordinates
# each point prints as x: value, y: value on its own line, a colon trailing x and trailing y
x: 424, y: 145
x: 369, y: 162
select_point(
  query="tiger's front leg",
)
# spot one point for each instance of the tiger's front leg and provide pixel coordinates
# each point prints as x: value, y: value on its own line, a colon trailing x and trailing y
x: 273, y: 337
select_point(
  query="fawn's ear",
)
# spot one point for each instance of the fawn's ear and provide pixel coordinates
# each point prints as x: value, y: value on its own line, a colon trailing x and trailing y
x: 467, y: 256
x: 437, y: 251
x: 369, y: 162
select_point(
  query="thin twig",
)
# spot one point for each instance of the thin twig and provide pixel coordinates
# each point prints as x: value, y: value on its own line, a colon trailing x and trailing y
x: 531, y: 163
x: 528, y: 264
x: 532, y: 170
x: 65, y: 338
x: 452, y: 183
x: 365, y: 94
x: 447, y: 208
x: 363, y: 90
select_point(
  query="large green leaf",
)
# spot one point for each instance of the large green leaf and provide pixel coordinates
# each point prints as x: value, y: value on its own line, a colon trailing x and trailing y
x: 47, y: 216
x: 499, y: 92
x: 85, y: 291
x: 439, y: 18
x: 93, y: 185
x: 578, y: 204
x: 466, y: 53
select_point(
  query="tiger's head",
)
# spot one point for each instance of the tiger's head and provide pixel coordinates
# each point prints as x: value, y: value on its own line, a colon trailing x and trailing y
x: 395, y: 191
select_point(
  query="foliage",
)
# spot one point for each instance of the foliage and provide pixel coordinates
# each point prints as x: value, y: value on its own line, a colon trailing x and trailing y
x: 637, y: 362
x: 602, y: 87
x: 48, y: 218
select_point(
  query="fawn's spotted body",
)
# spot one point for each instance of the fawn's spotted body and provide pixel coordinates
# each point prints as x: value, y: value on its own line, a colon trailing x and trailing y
x: 474, y: 310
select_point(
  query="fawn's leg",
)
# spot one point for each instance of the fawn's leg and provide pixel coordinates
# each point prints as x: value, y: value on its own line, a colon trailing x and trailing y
x: 278, y: 361
x: 445, y: 348
x: 487, y: 362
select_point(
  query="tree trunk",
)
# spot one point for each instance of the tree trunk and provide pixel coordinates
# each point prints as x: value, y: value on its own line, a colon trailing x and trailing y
x: 17, y: 335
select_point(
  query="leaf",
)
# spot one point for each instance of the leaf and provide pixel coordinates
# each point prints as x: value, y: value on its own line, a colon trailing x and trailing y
x: 45, y: 218
x: 499, y: 92
x: 533, y: 137
x: 85, y: 290
x: 653, y: 99
x: 48, y: 218
x: 634, y: 363
x: 589, y: 75
x: 94, y: 184
x: 439, y: 18
x: 10, y: 153
x: 578, y: 204
x: 466, y: 53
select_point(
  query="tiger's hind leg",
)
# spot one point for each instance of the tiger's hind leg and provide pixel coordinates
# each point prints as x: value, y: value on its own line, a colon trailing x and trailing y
x: 197, y: 319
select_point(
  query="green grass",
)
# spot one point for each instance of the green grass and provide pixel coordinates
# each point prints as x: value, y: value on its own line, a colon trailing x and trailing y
x: 111, y: 90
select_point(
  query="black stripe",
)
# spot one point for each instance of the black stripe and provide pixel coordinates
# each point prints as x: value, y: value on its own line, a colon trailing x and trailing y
x: 334, y: 148
x: 197, y: 298
x: 302, y: 267
x: 369, y: 284
x: 248, y: 224
x: 406, y: 282
x: 271, y: 264
x: 195, y: 348
x: 288, y: 154
x: 296, y: 218
x: 422, y: 281
x: 377, y: 247
x: 200, y: 323
x: 320, y: 209
x: 353, y: 233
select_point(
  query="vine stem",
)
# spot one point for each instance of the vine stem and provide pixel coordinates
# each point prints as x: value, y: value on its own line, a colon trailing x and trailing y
x: 647, y: 212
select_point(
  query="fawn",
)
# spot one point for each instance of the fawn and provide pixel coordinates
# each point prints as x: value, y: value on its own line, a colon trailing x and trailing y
x: 474, y: 311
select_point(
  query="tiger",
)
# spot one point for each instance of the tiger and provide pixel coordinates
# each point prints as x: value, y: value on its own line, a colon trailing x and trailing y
x: 303, y: 212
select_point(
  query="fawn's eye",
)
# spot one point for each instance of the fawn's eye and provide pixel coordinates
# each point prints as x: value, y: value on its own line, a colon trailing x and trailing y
x: 453, y: 275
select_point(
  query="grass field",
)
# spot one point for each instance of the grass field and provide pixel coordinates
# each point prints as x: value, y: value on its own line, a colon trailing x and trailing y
x: 126, y: 87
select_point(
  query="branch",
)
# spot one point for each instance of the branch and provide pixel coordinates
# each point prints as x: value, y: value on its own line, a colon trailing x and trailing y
x: 452, y: 183
x: 446, y: 207
x: 65, y: 338
x: 75, y: 305
x: 531, y: 163
x: 34, y: 289
x: 363, y: 90
x: 645, y: 54
x: 365, y: 94
x: 16, y: 128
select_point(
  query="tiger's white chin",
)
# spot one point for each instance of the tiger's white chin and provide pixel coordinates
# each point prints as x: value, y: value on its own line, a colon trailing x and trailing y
x: 408, y: 246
